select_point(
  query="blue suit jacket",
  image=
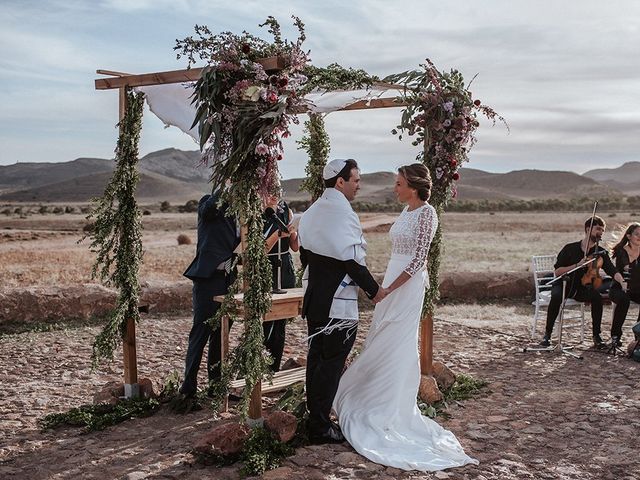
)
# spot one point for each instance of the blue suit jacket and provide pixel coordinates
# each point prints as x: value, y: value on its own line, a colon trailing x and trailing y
x: 217, y: 239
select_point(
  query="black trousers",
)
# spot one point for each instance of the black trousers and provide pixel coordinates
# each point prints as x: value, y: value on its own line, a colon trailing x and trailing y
x: 325, y: 362
x: 622, y: 301
x: 582, y: 294
x: 203, y: 309
x: 274, y: 337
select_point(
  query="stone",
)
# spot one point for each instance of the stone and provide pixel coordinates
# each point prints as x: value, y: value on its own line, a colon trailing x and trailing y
x: 631, y: 347
x: 348, y: 459
x: 280, y: 473
x: 283, y: 425
x: 444, y: 375
x: 294, y: 362
x: 226, y: 439
x: 146, y: 388
x: 110, y: 393
x: 428, y: 391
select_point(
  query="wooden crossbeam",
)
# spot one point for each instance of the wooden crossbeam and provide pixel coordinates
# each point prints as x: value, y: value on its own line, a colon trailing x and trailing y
x: 173, y: 76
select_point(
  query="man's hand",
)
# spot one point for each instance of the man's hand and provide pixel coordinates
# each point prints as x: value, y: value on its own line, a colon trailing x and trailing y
x: 382, y: 292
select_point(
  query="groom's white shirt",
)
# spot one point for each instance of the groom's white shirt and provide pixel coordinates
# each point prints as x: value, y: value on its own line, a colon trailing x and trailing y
x: 331, y: 228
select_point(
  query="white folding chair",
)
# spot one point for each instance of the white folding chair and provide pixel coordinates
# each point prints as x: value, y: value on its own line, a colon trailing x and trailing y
x: 543, y: 271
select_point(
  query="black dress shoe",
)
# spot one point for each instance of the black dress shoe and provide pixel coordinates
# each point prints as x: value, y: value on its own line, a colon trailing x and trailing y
x: 597, y: 341
x: 546, y: 342
x: 333, y: 435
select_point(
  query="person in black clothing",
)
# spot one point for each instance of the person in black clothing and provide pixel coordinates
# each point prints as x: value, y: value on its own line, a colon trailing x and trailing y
x: 574, y: 255
x: 278, y: 240
x: 218, y: 237
x: 626, y: 253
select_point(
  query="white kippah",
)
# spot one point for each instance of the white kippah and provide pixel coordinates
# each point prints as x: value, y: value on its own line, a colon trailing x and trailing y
x: 333, y: 168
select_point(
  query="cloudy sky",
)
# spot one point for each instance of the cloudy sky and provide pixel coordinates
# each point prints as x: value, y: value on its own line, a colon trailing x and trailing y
x: 565, y: 74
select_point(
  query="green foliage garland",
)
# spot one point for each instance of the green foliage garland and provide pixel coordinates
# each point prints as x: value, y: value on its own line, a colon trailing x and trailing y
x: 316, y: 143
x: 117, y: 233
x: 101, y: 416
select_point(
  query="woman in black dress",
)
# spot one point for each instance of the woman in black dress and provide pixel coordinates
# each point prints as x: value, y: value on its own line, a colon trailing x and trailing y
x: 625, y: 253
x: 285, y: 242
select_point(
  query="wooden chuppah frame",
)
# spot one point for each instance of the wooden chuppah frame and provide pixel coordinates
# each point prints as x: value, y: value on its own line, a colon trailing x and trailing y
x: 122, y: 81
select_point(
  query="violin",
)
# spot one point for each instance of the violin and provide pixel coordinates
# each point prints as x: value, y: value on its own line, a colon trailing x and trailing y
x: 592, y: 276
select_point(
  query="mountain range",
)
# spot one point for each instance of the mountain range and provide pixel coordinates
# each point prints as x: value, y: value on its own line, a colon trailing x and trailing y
x: 176, y: 176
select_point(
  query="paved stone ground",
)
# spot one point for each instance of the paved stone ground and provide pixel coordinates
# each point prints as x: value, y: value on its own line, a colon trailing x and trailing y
x: 544, y: 416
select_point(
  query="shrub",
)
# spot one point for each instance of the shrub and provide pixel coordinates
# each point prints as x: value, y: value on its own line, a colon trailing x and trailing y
x: 184, y: 239
x: 165, y: 206
x: 146, y: 212
x: 191, y: 206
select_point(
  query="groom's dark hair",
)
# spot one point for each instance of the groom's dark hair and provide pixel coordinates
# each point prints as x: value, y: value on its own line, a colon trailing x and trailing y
x: 344, y: 173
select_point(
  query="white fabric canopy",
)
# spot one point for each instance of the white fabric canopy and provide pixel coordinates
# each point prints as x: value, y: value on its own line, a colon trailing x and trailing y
x: 171, y: 103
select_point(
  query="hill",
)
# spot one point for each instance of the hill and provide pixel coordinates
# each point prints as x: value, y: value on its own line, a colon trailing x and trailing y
x: 177, y: 176
x: 625, y: 178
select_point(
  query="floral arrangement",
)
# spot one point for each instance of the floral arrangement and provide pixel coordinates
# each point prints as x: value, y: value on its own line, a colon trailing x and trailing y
x: 243, y: 110
x: 443, y: 116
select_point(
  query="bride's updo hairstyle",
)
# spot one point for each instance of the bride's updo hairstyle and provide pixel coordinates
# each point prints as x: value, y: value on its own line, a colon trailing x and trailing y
x: 418, y: 178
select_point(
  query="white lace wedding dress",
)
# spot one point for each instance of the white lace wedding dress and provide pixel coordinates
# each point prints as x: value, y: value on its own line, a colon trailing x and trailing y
x: 376, y: 398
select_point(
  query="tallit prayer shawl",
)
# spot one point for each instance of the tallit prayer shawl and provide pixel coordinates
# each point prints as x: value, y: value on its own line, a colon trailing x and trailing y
x: 331, y: 228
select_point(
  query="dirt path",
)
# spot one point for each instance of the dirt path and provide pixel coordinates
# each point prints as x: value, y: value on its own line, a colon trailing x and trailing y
x: 545, y: 416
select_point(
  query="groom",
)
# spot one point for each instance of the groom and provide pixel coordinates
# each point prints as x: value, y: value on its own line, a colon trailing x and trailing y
x: 332, y: 250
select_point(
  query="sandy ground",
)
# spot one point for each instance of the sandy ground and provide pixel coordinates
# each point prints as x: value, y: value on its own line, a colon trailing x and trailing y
x: 544, y: 415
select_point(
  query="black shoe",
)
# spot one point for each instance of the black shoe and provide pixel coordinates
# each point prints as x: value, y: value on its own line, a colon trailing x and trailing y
x: 615, y: 341
x: 546, y: 341
x: 333, y: 435
x: 597, y: 341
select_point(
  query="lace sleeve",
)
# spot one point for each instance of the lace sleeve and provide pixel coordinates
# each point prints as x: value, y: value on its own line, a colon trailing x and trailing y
x: 425, y: 229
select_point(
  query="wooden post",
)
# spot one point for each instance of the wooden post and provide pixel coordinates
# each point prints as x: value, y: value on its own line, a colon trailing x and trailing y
x: 131, y: 387
x: 255, y: 405
x: 426, y: 323
x: 224, y: 351
x: 426, y: 345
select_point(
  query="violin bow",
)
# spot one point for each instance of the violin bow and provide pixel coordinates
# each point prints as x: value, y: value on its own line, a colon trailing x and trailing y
x: 595, y: 207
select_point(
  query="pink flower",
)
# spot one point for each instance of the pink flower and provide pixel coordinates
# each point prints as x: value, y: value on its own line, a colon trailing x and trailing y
x: 262, y: 149
x: 272, y: 97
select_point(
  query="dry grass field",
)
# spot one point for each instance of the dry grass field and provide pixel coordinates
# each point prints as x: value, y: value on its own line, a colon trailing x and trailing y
x: 44, y: 249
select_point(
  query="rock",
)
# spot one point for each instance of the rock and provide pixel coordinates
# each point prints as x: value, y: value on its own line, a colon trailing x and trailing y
x: 428, y: 391
x: 294, y: 362
x: 348, y: 459
x: 281, y: 473
x: 484, y: 285
x: 227, y: 439
x: 631, y: 347
x: 443, y: 375
x: 110, y: 393
x: 136, y: 475
x: 282, y: 424
x: 146, y: 388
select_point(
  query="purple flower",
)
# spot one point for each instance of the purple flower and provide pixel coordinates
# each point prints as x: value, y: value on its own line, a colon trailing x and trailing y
x: 447, y: 123
x: 448, y: 106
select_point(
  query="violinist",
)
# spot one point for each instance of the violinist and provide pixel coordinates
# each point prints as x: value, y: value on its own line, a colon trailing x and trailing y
x: 574, y: 255
x: 626, y: 252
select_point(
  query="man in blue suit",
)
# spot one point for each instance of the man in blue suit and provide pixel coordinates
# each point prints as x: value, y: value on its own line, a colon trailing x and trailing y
x: 218, y: 237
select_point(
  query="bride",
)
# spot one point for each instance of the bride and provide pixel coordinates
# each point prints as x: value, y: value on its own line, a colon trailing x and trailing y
x: 376, y: 399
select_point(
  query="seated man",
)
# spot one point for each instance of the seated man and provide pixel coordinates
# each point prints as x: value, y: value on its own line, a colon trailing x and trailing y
x: 574, y: 255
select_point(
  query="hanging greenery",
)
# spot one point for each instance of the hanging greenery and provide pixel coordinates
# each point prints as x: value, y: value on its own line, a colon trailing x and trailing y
x: 315, y: 142
x: 243, y: 112
x: 442, y: 116
x: 117, y: 234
